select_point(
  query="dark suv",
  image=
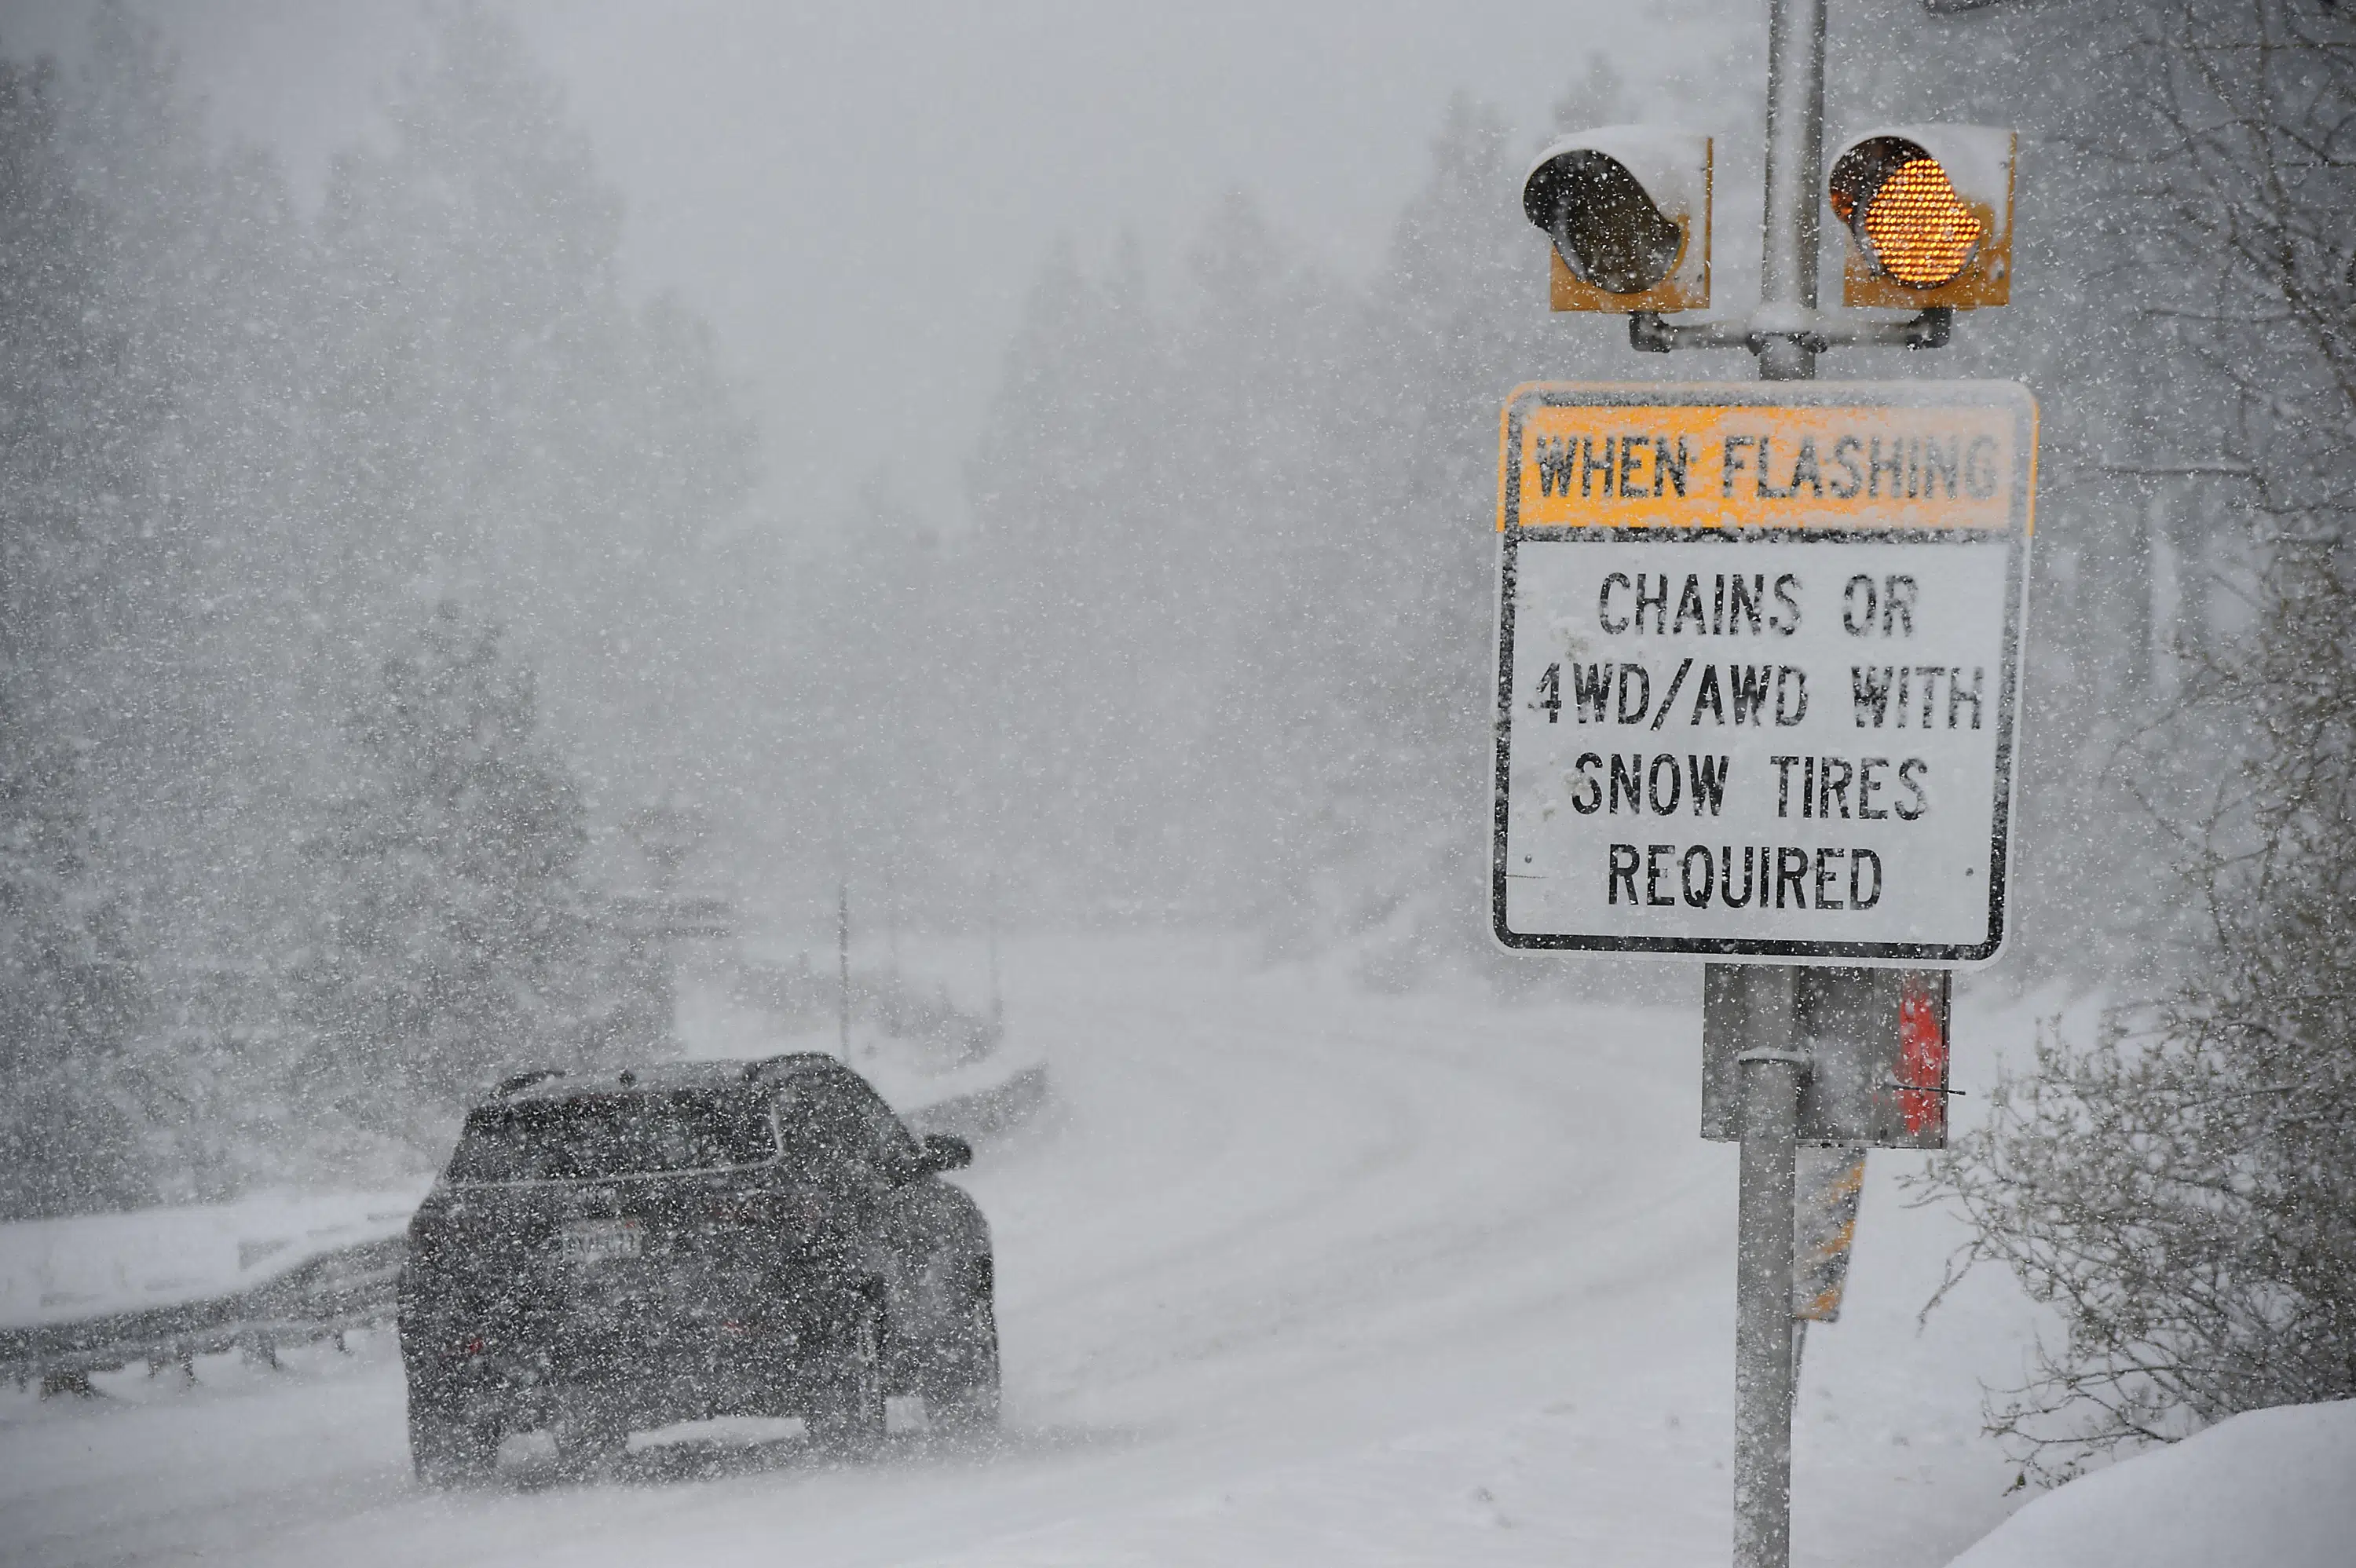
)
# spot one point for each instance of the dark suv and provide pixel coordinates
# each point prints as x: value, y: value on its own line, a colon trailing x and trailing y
x: 722, y: 1238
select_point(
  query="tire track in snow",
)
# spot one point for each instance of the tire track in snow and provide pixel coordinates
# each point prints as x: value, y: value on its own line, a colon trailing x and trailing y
x: 1447, y: 1188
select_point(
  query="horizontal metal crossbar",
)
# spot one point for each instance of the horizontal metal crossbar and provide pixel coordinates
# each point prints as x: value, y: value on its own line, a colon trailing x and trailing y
x: 1649, y: 332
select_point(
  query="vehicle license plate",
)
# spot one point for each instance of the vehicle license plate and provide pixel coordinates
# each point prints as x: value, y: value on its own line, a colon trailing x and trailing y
x: 601, y: 1241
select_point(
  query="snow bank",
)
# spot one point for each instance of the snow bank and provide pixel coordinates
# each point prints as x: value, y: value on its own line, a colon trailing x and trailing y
x: 90, y: 1266
x: 2276, y: 1487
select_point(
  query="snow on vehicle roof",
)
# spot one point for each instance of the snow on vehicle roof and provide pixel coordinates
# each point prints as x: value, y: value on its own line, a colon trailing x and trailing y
x: 666, y: 1077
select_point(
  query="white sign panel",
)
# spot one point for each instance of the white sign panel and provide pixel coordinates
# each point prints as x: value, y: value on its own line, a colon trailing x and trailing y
x: 1759, y: 668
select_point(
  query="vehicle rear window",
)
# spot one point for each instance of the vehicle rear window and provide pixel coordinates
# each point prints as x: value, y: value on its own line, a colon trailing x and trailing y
x: 612, y: 1135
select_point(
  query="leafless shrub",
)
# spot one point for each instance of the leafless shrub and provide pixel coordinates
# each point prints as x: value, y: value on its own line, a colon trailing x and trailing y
x: 2182, y: 1191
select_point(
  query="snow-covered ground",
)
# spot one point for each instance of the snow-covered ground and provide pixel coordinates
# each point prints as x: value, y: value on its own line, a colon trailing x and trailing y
x: 1289, y: 1274
x: 2276, y: 1486
x: 54, y: 1271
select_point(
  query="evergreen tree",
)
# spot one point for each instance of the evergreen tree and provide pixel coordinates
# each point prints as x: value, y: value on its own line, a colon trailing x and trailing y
x: 460, y: 941
x: 71, y: 997
x: 1064, y: 501
x: 501, y: 423
x: 236, y: 453
x: 71, y: 1000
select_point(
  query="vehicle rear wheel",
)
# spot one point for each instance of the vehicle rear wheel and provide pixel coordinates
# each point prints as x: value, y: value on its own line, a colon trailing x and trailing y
x: 967, y: 1397
x: 590, y: 1440
x: 850, y: 1426
x: 447, y: 1450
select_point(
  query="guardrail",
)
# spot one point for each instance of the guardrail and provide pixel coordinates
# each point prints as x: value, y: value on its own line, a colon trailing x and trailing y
x: 331, y: 1294
x: 323, y: 1297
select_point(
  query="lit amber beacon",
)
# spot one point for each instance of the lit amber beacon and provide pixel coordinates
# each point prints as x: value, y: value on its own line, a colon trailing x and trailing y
x: 1929, y: 215
x: 1920, y: 229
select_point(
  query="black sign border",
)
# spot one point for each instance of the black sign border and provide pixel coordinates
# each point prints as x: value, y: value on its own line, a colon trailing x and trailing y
x: 2010, y: 396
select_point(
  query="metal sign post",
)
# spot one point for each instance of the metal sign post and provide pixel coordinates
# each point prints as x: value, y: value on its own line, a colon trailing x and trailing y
x: 1758, y: 675
x: 1772, y: 1070
x: 1765, y: 1374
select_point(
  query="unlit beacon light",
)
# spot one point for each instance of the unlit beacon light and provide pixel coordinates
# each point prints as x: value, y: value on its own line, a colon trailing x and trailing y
x: 1627, y: 207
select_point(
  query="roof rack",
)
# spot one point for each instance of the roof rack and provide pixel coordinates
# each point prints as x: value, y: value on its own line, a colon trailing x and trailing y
x: 778, y: 1066
x: 507, y: 1086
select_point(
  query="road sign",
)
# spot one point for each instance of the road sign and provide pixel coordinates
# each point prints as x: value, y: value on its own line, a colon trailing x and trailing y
x: 1826, y: 1190
x: 1758, y: 667
x: 1876, y: 1040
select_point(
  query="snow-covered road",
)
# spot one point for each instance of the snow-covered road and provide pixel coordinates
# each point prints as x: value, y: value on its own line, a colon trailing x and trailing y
x: 1294, y: 1275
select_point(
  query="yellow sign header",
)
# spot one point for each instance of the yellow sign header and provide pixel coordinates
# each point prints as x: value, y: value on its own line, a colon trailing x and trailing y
x: 1856, y: 456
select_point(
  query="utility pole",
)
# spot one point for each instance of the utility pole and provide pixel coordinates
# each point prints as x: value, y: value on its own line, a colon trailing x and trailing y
x: 997, y: 997
x: 842, y: 963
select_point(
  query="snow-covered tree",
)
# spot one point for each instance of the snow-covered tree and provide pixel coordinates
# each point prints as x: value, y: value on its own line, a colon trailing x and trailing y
x: 499, y: 420
x: 71, y: 997
x: 459, y: 939
x: 241, y: 451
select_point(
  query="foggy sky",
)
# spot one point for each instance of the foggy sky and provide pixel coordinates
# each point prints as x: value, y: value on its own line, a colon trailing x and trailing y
x: 858, y: 195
